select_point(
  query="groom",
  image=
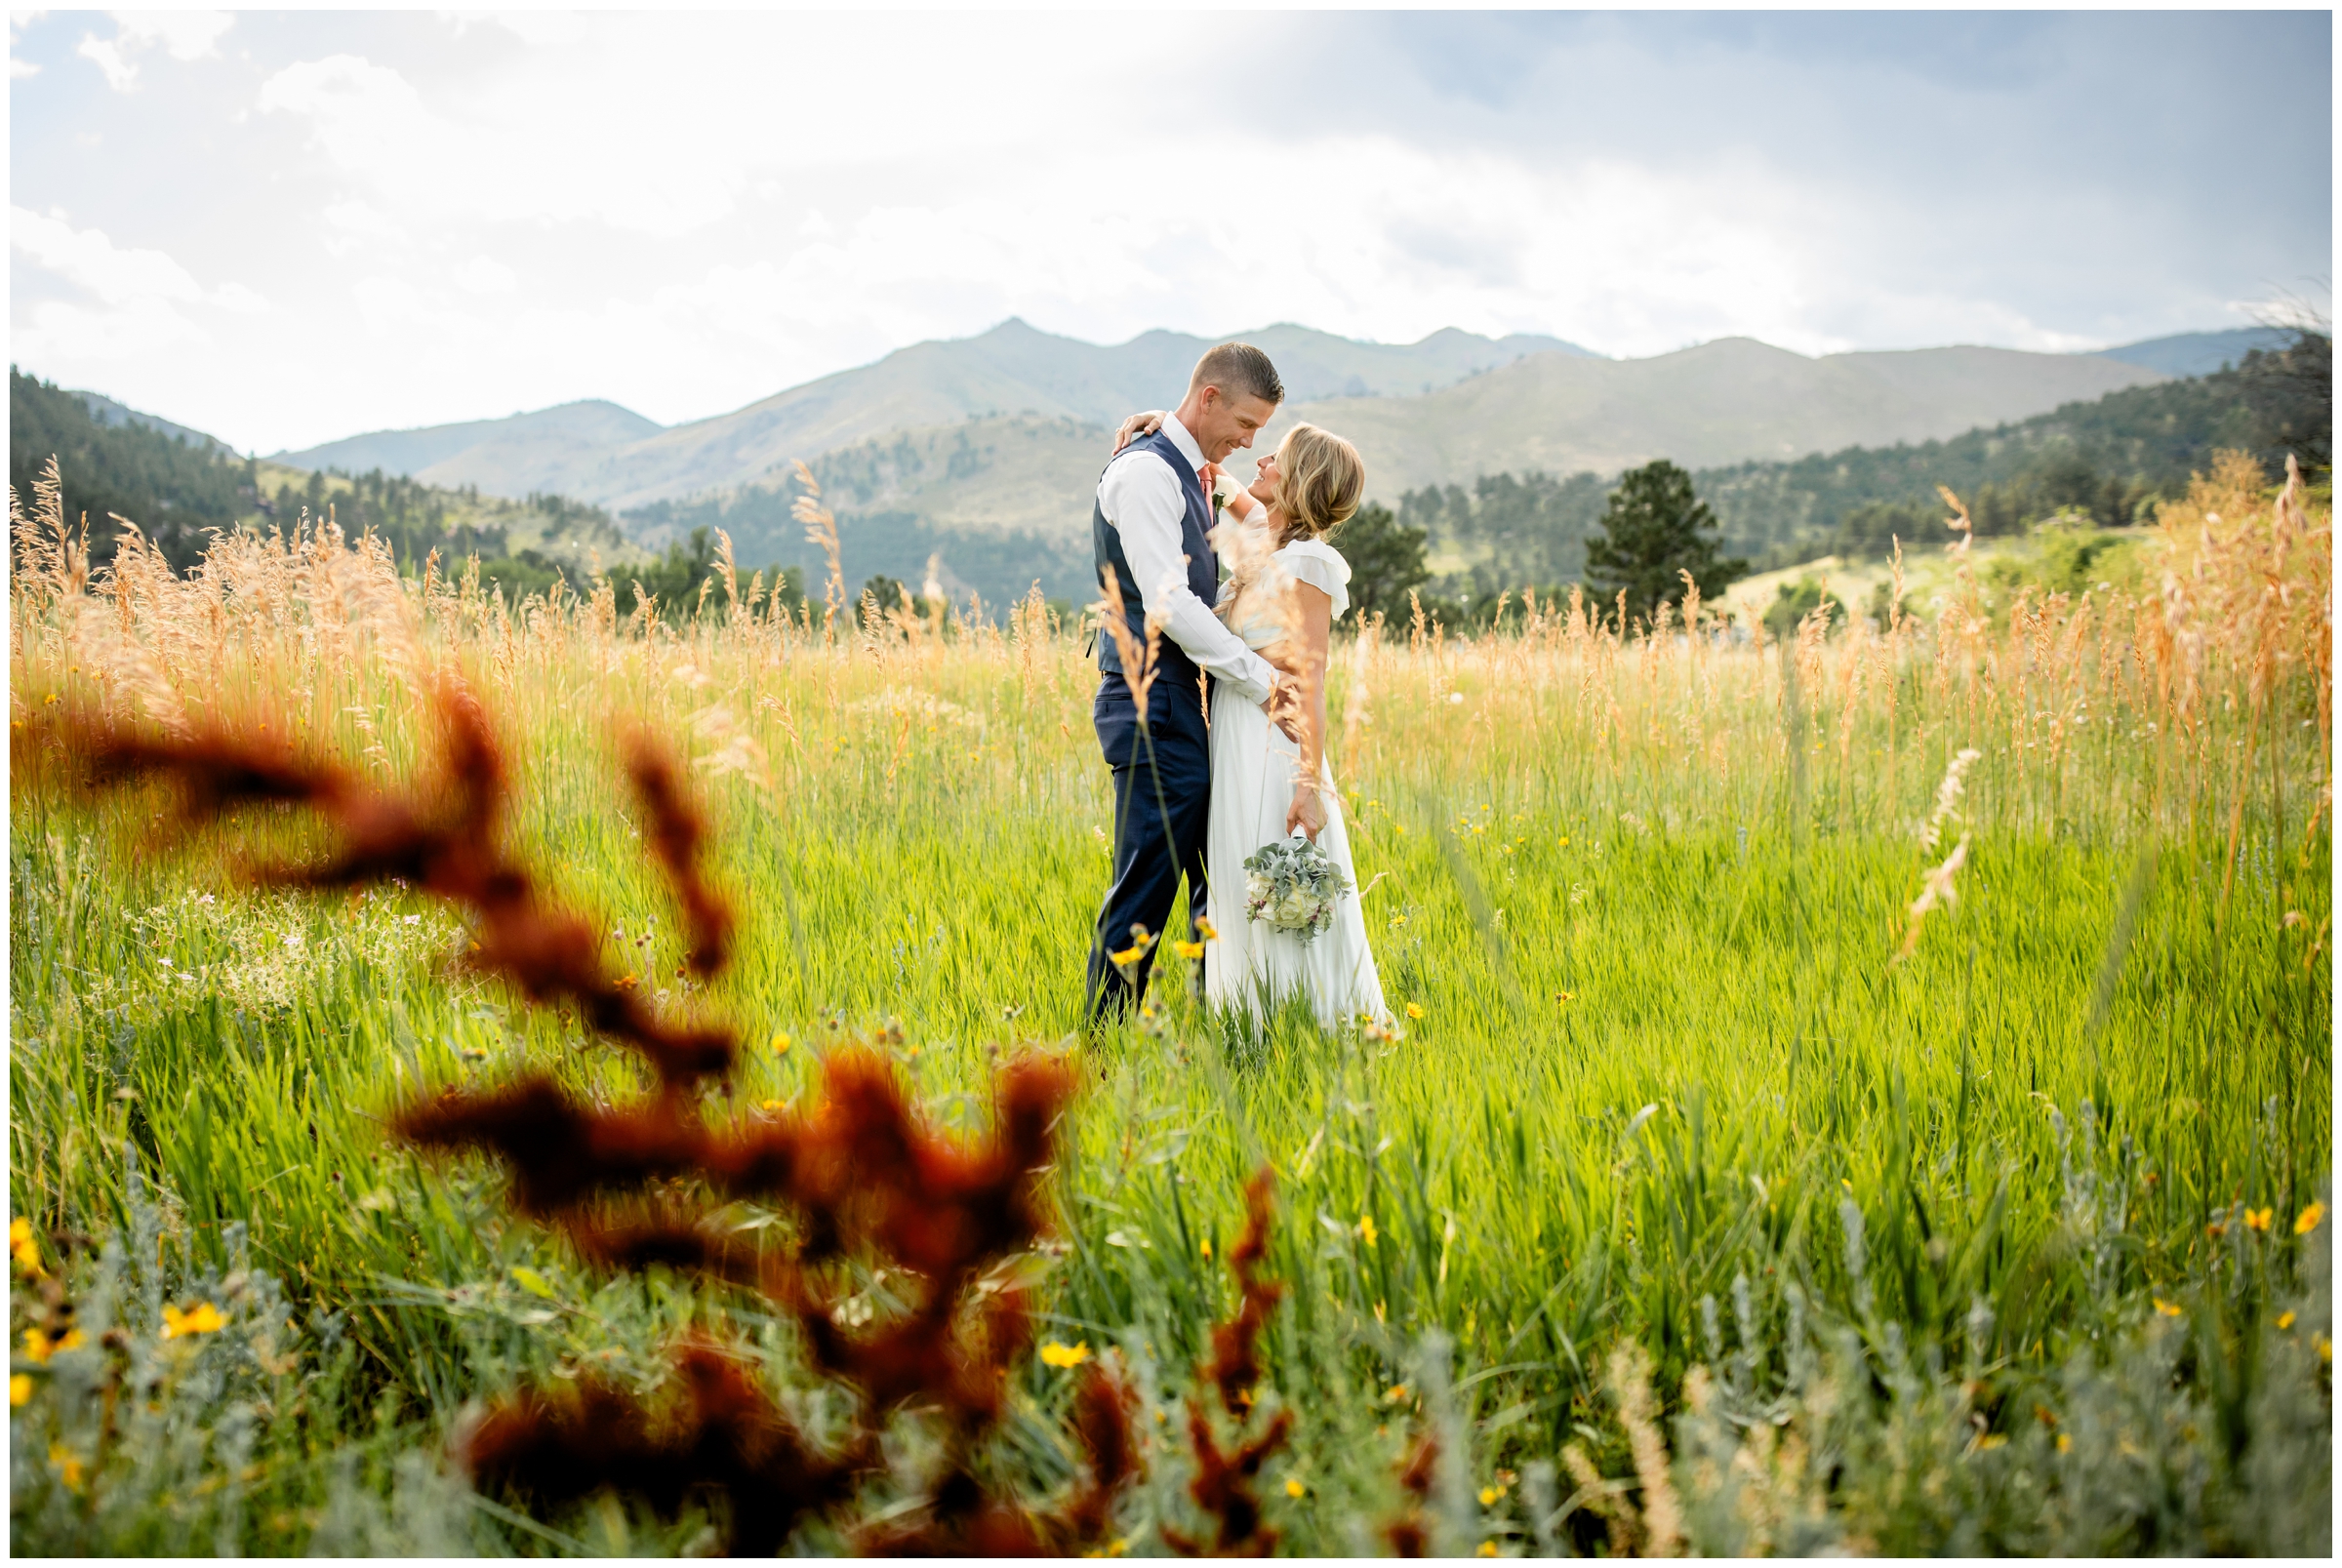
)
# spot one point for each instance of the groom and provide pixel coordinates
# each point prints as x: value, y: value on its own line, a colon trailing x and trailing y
x: 1150, y: 527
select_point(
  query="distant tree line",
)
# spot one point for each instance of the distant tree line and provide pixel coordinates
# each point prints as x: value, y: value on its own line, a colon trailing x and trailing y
x: 414, y: 520
x: 409, y: 517
x: 896, y: 544
x: 1530, y: 530
x: 673, y: 581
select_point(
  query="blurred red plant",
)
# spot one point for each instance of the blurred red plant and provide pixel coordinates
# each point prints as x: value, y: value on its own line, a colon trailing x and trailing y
x: 448, y: 841
x: 1224, y: 1479
x: 863, y: 1176
x: 1410, y: 1535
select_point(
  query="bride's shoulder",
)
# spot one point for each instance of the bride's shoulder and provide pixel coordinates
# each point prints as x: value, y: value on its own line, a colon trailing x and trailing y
x: 1315, y: 552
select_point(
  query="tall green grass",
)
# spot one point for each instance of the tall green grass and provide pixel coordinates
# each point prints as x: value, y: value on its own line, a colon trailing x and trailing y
x: 1661, y: 1080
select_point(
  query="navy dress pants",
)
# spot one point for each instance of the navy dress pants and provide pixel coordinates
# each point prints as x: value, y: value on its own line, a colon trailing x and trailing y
x: 1163, y: 807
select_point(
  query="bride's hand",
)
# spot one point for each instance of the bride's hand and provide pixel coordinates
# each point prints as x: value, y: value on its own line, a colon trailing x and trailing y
x: 1308, y: 811
x: 1136, y: 426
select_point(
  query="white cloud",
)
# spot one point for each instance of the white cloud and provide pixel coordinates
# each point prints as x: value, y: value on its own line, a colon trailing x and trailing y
x: 485, y: 274
x: 392, y: 307
x: 107, y: 54
x: 138, y: 302
x: 350, y: 227
x: 186, y: 34
x: 87, y: 259
x: 503, y: 160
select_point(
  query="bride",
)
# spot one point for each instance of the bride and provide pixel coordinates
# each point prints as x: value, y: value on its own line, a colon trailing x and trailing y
x: 1288, y: 587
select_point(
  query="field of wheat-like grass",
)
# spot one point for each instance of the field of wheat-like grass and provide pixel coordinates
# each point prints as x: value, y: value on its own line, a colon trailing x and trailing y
x: 1865, y: 1092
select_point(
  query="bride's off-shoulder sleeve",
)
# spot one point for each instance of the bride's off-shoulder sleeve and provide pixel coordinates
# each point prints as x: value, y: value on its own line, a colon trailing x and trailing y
x: 1321, y: 567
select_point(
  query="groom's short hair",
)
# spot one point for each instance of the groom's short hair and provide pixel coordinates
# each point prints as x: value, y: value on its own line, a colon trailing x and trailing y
x: 1239, y: 370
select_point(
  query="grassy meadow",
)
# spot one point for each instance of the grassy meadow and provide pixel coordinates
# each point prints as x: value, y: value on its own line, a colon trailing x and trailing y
x: 1709, y: 1198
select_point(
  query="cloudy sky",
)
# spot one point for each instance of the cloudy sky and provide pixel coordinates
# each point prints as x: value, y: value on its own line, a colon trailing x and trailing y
x: 284, y: 228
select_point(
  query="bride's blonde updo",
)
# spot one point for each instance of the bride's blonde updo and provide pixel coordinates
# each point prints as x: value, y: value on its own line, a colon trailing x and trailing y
x: 1319, y: 481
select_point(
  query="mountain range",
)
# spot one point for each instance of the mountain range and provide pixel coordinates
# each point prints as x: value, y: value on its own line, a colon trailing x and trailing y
x: 1440, y: 409
x: 601, y: 452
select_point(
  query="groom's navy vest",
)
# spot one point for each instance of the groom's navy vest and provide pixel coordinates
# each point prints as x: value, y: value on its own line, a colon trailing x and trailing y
x: 1174, y: 670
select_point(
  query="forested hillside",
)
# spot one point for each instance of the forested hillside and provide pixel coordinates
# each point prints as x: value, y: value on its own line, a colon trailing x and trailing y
x: 178, y: 484
x: 174, y: 487
x: 2108, y: 458
x: 522, y: 544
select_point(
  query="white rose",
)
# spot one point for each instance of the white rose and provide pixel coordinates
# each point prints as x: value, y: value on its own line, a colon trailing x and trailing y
x: 1297, y: 909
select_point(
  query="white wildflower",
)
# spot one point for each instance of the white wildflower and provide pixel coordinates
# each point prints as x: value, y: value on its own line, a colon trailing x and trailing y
x: 1947, y: 796
x: 1936, y: 890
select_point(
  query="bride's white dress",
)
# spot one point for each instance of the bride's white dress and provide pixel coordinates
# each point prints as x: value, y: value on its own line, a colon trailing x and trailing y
x: 1251, y: 967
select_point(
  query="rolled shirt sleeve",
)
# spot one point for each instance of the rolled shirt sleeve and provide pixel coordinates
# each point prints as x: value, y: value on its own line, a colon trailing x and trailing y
x: 1141, y: 497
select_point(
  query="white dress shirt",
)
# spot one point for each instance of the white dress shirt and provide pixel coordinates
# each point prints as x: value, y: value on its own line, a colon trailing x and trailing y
x: 1142, y: 499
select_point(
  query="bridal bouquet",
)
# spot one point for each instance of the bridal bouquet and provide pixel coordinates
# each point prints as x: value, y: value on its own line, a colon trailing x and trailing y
x: 1292, y: 886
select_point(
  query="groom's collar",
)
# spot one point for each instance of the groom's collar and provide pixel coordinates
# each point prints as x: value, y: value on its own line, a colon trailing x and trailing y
x: 1188, y: 447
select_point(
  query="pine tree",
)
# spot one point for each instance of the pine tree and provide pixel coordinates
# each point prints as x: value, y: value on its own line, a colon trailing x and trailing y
x: 1652, y: 532
x: 1385, y: 560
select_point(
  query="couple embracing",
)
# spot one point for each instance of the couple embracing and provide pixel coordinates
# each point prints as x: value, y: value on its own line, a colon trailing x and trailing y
x: 1220, y: 768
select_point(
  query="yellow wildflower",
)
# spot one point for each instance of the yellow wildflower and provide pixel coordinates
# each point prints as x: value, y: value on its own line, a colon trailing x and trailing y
x: 20, y: 1243
x: 68, y: 1467
x: 2258, y: 1219
x: 1489, y: 1495
x: 39, y: 1346
x: 1207, y: 1246
x: 1566, y: 996
x: 2326, y: 1347
x: 1366, y: 1231
x: 1397, y: 1394
x: 2285, y: 1320
x: 775, y: 1106
x: 201, y: 1318
x: 2167, y: 1309
x: 781, y: 1043
x: 1488, y: 1548
x: 1991, y: 1440
x: 2065, y: 1443
x: 1206, y: 930
x: 1188, y: 950
x: 1064, y: 1357
x: 1141, y: 940
x: 20, y: 1388
x: 1565, y: 841
x: 1296, y: 1489
x: 2309, y: 1218
x: 1414, y: 1010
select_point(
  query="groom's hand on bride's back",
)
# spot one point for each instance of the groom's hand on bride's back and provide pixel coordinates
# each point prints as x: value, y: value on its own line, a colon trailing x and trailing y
x: 1138, y: 424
